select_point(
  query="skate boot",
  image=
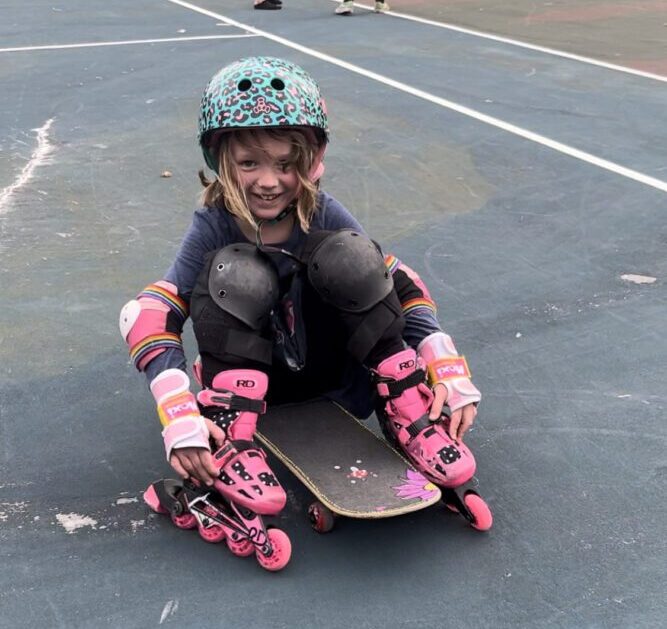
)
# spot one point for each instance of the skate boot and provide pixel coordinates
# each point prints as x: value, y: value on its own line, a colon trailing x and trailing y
x: 381, y: 7
x: 190, y: 506
x: 233, y: 403
x: 345, y: 8
x: 245, y: 489
x: 404, y: 417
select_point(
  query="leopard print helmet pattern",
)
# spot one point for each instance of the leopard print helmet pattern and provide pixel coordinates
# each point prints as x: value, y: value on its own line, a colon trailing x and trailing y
x: 260, y: 92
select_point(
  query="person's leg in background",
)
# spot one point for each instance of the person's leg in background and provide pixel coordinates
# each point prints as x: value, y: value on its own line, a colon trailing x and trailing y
x: 268, y: 5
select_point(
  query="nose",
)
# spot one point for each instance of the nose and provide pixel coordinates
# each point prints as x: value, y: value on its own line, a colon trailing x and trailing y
x: 267, y: 178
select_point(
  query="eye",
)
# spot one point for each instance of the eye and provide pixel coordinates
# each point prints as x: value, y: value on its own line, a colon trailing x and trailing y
x: 247, y: 164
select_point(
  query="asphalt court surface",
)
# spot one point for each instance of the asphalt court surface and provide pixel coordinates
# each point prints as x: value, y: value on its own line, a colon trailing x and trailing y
x: 616, y: 31
x: 528, y: 189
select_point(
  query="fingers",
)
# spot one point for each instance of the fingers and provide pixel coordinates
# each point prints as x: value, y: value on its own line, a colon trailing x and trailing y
x: 210, y: 472
x: 216, y: 433
x: 468, y: 414
x: 439, y: 399
x: 454, y: 421
x: 195, y: 462
x: 178, y: 468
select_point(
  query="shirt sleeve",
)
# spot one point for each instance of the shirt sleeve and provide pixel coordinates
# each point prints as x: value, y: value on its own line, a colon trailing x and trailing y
x: 419, y: 309
x: 203, y: 235
x: 335, y: 215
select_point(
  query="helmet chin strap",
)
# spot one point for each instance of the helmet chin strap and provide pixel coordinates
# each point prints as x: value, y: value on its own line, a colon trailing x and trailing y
x: 272, y: 221
x: 284, y: 214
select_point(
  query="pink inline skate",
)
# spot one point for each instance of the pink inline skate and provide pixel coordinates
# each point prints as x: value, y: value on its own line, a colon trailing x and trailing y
x: 403, y: 415
x: 246, y: 488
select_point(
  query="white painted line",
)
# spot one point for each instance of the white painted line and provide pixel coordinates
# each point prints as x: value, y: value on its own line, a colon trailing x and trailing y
x: 169, y: 609
x: 520, y: 44
x: 129, y: 42
x: 447, y: 104
x: 39, y: 156
x: 638, y: 279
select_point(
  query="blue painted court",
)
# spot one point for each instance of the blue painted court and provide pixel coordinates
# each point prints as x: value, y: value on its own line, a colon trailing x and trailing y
x: 524, y: 179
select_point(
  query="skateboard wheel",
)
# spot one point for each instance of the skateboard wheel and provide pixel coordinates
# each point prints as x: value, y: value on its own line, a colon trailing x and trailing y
x: 482, y: 517
x: 213, y: 533
x: 240, y: 548
x: 281, y: 551
x: 322, y: 519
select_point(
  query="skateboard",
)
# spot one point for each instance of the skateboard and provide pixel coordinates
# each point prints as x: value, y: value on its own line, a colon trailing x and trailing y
x: 351, y: 471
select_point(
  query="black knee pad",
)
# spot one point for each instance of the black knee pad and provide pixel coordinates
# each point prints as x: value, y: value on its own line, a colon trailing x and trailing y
x: 231, y: 304
x: 376, y: 330
x: 243, y: 282
x: 347, y: 270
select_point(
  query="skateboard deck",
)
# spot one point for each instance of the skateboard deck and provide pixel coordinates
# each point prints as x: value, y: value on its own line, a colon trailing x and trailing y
x: 347, y: 467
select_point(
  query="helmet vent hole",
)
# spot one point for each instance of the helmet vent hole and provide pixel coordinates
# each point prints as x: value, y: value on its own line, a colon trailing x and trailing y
x: 222, y: 293
x: 277, y: 84
x: 316, y: 266
x: 221, y: 267
x: 244, y: 85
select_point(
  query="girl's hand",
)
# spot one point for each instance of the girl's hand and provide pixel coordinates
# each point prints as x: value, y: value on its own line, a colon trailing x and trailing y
x: 460, y: 419
x: 198, y: 462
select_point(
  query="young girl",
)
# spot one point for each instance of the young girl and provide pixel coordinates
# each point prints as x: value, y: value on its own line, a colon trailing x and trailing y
x: 290, y: 301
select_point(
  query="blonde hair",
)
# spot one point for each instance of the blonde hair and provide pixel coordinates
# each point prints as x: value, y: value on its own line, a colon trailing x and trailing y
x: 224, y: 192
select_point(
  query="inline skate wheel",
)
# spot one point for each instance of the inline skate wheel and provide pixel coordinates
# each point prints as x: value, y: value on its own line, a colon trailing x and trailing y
x: 184, y: 520
x: 240, y: 548
x: 213, y: 533
x: 480, y: 512
x: 322, y: 519
x: 281, y: 551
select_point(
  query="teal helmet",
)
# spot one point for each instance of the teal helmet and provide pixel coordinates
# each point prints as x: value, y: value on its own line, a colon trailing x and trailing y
x: 260, y: 92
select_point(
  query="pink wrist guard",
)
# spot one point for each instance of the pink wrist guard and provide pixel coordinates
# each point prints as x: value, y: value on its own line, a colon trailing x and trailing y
x: 189, y: 432
x: 178, y: 412
x: 444, y: 366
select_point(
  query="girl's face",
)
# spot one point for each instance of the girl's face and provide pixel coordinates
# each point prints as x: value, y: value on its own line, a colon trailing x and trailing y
x: 265, y: 172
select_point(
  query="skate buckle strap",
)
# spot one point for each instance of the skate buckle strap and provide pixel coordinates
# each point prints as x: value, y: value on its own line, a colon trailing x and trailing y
x: 244, y: 444
x: 232, y: 448
x: 418, y: 425
x: 394, y: 388
x: 224, y: 453
x: 235, y: 402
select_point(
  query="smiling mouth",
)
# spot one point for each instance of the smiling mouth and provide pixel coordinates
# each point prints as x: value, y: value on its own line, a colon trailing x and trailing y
x: 267, y: 197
